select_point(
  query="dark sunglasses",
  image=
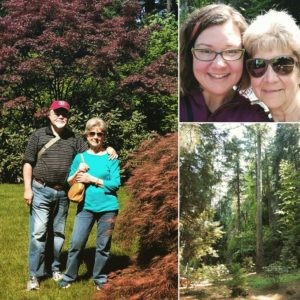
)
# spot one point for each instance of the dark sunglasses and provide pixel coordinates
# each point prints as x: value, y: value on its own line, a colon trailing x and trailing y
x: 98, y: 134
x: 61, y: 112
x: 281, y: 65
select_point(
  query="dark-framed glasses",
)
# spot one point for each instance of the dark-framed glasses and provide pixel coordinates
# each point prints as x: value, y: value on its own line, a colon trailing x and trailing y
x: 61, y: 112
x: 281, y: 65
x: 205, y: 54
x: 98, y: 134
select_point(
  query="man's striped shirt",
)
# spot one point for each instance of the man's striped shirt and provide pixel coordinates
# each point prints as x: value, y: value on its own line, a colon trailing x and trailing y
x: 54, y: 164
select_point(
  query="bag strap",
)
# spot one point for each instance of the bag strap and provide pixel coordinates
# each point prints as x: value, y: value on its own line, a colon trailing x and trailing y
x: 73, y: 180
x: 48, y: 145
x: 82, y: 158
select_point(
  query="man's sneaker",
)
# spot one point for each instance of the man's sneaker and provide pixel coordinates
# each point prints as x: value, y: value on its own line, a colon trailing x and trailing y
x: 56, y: 276
x: 64, y: 284
x: 33, y: 284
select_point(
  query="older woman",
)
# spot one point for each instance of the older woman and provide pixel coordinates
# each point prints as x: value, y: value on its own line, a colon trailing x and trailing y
x: 102, y: 178
x: 212, y: 68
x: 273, y: 43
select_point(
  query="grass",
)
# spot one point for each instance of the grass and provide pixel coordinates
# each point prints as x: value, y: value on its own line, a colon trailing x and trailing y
x: 261, y: 281
x: 14, y: 223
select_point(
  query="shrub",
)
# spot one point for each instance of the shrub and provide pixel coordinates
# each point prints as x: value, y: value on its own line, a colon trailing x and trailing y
x: 151, y: 214
x: 215, y: 274
x: 274, y: 271
x: 248, y: 264
x: 237, y: 283
x: 287, y: 257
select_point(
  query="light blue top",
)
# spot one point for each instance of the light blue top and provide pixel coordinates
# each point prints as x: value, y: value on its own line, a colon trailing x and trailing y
x: 99, y: 199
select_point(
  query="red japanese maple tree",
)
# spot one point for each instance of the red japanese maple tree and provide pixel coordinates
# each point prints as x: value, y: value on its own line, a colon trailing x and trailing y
x: 152, y: 215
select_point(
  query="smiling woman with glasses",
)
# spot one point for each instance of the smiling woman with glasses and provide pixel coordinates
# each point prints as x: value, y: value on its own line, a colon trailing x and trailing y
x: 273, y: 43
x: 212, y: 73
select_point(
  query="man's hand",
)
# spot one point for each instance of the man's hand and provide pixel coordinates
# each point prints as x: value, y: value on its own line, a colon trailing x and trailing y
x: 28, y: 196
x: 112, y: 153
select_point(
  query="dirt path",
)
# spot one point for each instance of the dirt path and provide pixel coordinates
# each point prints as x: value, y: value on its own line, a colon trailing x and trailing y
x: 290, y: 291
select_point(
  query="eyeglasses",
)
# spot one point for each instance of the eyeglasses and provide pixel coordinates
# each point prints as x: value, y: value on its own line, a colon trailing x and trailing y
x: 98, y: 134
x: 210, y: 55
x: 281, y: 65
x: 61, y: 112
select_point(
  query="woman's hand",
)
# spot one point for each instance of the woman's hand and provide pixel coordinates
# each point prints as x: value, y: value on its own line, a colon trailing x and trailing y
x: 83, y: 177
x: 83, y: 167
x: 89, y: 179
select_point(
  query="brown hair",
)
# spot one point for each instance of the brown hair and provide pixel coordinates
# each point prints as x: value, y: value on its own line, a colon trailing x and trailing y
x: 197, y: 22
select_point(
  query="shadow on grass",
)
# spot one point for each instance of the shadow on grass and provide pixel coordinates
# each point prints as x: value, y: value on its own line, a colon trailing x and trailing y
x: 114, y: 263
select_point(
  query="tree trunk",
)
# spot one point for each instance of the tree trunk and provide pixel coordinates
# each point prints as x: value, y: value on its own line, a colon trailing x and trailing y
x: 169, y: 6
x: 269, y: 194
x: 238, y: 197
x: 259, y: 246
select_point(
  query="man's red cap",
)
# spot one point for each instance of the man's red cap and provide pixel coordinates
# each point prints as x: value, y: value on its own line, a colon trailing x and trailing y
x: 56, y: 104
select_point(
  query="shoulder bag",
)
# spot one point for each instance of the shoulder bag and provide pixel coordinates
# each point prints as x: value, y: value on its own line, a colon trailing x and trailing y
x: 76, y: 191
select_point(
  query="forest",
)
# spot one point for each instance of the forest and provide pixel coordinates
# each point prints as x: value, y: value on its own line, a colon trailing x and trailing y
x: 239, y: 206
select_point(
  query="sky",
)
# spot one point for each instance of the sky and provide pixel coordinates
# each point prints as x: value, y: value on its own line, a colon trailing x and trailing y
x: 236, y: 130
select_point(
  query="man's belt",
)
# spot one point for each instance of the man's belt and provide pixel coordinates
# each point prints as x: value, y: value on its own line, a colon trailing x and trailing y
x: 55, y: 186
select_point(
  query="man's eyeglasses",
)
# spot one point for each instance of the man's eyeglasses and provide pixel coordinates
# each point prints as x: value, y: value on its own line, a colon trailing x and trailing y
x: 98, y: 134
x: 210, y: 55
x: 281, y: 65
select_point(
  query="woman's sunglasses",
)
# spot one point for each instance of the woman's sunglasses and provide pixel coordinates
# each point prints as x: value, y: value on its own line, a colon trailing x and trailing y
x: 98, y: 134
x: 281, y: 65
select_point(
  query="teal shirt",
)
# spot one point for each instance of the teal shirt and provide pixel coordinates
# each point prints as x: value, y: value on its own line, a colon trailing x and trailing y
x: 99, y: 199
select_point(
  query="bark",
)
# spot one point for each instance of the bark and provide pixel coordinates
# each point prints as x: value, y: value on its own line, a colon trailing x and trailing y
x: 259, y: 246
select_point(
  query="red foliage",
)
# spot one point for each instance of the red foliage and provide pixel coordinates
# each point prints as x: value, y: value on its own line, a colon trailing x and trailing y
x: 46, y: 42
x: 153, y: 215
x: 21, y: 102
x: 157, y: 77
x: 158, y: 281
x: 153, y: 185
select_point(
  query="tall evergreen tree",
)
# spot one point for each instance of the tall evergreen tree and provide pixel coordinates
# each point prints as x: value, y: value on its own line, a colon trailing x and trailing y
x: 198, y: 231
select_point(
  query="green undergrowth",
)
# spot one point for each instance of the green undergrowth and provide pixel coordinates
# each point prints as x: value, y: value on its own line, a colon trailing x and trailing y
x: 261, y: 281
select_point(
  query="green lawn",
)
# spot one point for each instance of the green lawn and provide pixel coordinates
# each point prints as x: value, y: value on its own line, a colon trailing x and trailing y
x: 14, y: 223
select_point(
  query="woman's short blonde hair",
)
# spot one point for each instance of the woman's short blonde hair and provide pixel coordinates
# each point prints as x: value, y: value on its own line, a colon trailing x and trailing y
x: 272, y: 30
x: 95, y: 122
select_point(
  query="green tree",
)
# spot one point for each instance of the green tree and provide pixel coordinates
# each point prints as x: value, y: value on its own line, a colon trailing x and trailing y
x: 289, y: 206
x: 259, y: 229
x: 198, y: 229
x: 233, y: 150
x: 250, y: 9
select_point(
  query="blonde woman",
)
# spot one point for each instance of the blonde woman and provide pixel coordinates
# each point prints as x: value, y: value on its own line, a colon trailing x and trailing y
x: 102, y: 179
x: 273, y: 43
